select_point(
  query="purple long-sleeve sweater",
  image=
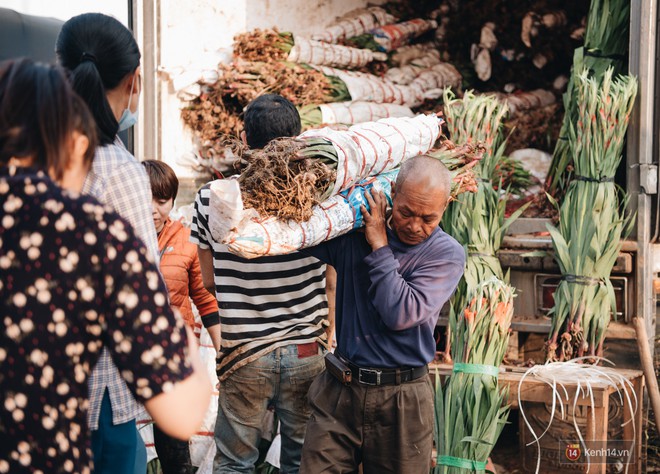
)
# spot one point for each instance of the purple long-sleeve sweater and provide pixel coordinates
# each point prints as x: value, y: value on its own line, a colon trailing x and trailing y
x: 388, y: 301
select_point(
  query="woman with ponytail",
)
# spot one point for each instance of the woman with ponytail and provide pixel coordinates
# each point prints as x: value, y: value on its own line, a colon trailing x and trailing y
x: 74, y: 278
x: 103, y: 59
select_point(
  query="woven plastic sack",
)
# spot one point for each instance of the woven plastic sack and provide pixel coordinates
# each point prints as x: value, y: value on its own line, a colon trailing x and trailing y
x: 371, y: 148
x: 351, y: 113
x: 392, y: 36
x: 355, y: 23
x: 338, y: 215
x: 326, y: 54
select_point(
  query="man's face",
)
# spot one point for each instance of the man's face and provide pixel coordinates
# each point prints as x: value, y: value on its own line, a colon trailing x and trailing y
x: 416, y: 211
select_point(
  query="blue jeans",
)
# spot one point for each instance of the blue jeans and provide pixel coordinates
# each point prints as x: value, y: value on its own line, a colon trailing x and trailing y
x: 118, y: 449
x: 279, y: 379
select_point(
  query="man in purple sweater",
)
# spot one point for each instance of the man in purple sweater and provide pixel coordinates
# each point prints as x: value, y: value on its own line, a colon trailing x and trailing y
x: 392, y: 281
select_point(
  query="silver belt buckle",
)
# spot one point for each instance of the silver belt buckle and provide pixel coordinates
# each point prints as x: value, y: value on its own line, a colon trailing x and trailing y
x: 369, y: 371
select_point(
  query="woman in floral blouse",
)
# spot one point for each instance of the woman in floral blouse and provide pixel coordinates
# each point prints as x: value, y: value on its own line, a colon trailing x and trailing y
x: 73, y: 279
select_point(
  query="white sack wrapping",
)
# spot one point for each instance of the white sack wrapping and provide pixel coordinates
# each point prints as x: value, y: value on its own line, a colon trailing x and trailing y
x: 350, y: 113
x: 408, y: 53
x: 325, y: 54
x: 370, y: 88
x: 529, y: 100
x: 406, y: 74
x: 332, y: 218
x: 202, y: 443
x: 355, y: 23
x: 432, y: 81
x: 370, y: 148
x: 364, y: 150
x: 392, y: 36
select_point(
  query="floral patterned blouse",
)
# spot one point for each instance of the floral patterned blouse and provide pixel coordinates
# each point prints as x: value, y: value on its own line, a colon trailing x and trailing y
x: 73, y: 279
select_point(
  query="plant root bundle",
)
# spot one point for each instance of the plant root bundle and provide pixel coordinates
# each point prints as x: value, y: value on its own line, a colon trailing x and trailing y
x: 280, y: 180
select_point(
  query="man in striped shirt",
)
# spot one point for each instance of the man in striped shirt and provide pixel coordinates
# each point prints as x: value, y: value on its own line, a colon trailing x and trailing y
x: 273, y: 312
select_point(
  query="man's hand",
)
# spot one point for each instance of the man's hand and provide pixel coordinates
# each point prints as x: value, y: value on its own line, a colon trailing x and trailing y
x: 374, y: 221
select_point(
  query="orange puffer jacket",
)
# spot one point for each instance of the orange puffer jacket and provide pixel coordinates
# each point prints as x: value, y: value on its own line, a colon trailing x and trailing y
x: 179, y: 265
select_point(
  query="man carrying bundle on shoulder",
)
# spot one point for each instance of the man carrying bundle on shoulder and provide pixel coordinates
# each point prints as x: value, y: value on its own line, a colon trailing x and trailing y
x: 273, y: 315
x: 374, y: 403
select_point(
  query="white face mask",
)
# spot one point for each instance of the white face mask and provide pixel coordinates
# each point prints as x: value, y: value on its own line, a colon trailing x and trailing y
x: 128, y: 118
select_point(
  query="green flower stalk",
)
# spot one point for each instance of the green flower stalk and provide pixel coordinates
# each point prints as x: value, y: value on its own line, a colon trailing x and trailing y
x: 605, y: 46
x: 477, y: 119
x: 477, y: 220
x: 470, y: 409
x: 592, y: 219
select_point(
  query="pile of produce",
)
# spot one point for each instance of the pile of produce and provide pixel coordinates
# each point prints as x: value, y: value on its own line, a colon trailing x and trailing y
x: 513, y: 45
x: 215, y: 116
x: 592, y: 218
x: 395, y: 61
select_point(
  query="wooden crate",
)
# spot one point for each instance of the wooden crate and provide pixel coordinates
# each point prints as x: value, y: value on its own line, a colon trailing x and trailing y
x: 533, y: 392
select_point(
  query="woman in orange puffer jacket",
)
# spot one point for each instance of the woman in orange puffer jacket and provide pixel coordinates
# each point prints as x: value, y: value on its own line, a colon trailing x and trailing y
x: 179, y: 266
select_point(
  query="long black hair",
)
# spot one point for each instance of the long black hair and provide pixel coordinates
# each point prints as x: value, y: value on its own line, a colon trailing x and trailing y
x: 37, y: 114
x: 100, y: 52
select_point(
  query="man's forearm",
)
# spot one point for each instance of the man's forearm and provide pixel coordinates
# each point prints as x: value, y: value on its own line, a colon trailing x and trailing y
x: 215, y: 332
x: 331, y: 292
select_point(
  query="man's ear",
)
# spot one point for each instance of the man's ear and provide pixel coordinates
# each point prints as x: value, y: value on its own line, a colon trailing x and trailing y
x: 393, y: 192
x: 244, y: 137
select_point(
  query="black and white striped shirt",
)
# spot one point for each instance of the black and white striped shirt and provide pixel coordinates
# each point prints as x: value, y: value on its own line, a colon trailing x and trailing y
x: 264, y: 303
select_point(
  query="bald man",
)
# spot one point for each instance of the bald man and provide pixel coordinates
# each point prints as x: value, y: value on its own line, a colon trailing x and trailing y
x: 392, y: 281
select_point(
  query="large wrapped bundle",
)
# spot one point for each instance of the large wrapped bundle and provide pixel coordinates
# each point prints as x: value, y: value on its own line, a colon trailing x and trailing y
x: 291, y: 175
x: 256, y: 237
x: 392, y: 36
x: 350, y: 113
x: 432, y: 81
x: 355, y: 23
x: 409, y: 53
x: 370, y: 88
x: 272, y: 45
x: 250, y: 235
x: 326, y: 54
x: 372, y: 148
x: 406, y: 74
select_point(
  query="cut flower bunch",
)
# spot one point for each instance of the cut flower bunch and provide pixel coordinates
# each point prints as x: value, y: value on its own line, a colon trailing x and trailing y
x: 470, y: 408
x: 477, y: 221
x: 592, y: 219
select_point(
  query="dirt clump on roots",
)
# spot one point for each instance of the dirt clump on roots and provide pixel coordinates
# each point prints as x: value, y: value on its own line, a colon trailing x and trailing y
x: 278, y: 181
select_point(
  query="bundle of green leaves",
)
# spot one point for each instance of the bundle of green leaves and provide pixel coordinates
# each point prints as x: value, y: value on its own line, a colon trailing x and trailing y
x: 592, y: 218
x: 470, y: 409
x: 605, y: 47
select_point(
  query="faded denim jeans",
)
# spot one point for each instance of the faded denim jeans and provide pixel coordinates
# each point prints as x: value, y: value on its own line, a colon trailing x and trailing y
x: 279, y: 379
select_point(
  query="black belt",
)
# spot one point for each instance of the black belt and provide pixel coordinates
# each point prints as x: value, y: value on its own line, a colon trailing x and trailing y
x: 371, y: 376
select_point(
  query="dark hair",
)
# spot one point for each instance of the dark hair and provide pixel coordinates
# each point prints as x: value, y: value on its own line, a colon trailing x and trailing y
x: 83, y: 122
x: 37, y: 114
x: 164, y: 183
x: 100, y: 52
x: 268, y: 117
